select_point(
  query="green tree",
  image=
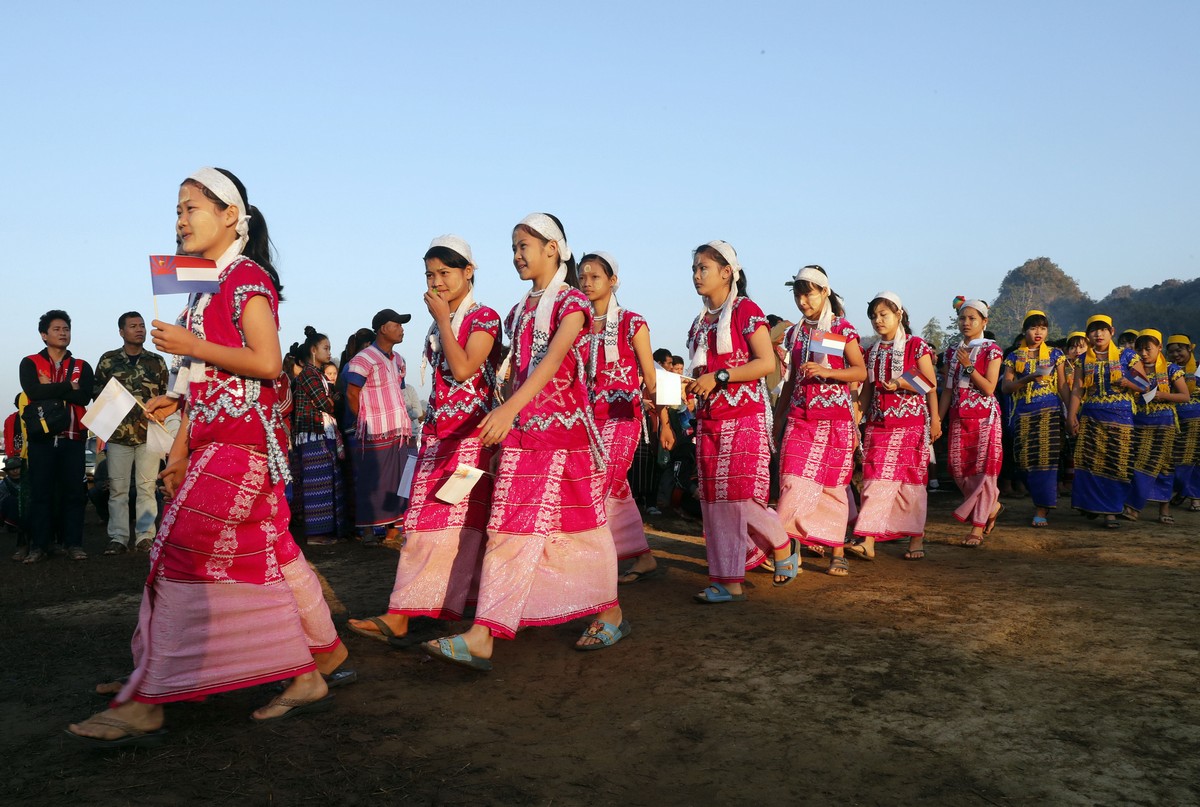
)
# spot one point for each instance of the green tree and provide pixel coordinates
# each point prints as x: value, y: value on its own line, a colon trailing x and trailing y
x: 932, y: 333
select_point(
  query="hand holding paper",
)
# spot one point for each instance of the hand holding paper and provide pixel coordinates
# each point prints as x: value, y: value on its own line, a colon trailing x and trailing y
x: 109, y: 409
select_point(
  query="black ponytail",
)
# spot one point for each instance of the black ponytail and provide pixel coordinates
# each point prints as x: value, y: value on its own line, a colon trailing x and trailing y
x: 303, y: 351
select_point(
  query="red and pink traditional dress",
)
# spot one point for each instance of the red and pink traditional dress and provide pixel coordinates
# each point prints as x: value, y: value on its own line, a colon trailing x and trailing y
x: 733, y: 453
x: 550, y: 555
x: 975, y: 434
x: 230, y: 601
x: 438, y: 572
x: 896, y: 446
x: 617, y: 407
x: 817, y: 455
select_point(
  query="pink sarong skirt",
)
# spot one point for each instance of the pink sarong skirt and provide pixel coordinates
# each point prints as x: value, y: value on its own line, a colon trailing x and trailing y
x: 218, y: 612
x: 895, y: 477
x: 550, y: 557
x: 732, y: 460
x: 815, y: 466
x: 975, y: 454
x: 438, y: 572
x: 620, y: 438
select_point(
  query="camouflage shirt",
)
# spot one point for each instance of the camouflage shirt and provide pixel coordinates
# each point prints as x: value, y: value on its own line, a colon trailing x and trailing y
x: 145, y: 376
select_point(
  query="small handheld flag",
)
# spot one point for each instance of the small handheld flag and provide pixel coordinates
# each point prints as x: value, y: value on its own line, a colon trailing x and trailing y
x: 181, y: 274
x: 1141, y: 382
x: 917, y: 382
x: 825, y: 343
x: 109, y: 409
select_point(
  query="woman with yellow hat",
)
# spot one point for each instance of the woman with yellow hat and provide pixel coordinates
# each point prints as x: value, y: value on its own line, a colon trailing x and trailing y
x: 1181, y: 350
x: 1035, y: 377
x: 1155, y: 430
x: 1100, y: 414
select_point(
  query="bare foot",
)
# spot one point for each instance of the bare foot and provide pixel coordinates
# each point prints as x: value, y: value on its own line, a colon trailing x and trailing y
x: 328, y: 662
x: 612, y: 616
x: 110, y: 687
x: 308, y: 687
x: 141, y: 716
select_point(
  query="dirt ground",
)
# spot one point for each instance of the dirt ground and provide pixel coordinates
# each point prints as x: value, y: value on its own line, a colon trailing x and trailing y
x: 1054, y: 666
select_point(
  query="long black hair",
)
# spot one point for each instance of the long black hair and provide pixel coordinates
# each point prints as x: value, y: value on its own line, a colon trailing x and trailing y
x: 258, y: 248
x: 572, y: 266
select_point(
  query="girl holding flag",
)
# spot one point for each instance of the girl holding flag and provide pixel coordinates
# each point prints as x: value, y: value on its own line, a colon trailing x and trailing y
x: 899, y: 402
x: 620, y: 365
x: 1035, y: 376
x: 1100, y: 415
x: 1155, y: 429
x: 969, y: 403
x: 1187, y: 446
x: 229, y: 596
x: 550, y: 556
x: 816, y: 456
x: 731, y: 356
x: 438, y: 572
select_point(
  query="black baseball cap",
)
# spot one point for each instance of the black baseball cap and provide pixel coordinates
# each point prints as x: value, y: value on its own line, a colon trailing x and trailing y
x: 388, y: 315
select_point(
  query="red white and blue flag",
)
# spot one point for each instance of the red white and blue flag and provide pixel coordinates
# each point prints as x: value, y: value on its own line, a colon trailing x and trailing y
x: 180, y: 274
x: 825, y: 343
x: 917, y: 382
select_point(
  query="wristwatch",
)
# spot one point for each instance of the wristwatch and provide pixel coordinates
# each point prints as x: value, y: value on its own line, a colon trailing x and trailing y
x: 722, y: 376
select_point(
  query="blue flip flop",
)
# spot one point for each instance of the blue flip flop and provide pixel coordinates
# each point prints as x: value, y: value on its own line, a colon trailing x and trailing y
x: 608, y: 634
x: 789, y: 567
x: 454, y: 650
x: 715, y: 594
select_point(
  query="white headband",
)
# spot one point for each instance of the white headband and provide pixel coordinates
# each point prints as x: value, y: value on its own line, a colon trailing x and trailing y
x: 812, y: 275
x: 978, y: 305
x: 613, y: 322
x: 454, y: 244
x: 544, y: 226
x: 891, y: 297
x: 612, y: 264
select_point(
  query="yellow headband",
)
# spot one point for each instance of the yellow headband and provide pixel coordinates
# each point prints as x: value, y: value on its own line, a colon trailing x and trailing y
x: 1073, y: 334
x: 1151, y: 332
x: 1136, y: 333
x: 1101, y: 318
x: 1033, y: 312
x: 1179, y: 339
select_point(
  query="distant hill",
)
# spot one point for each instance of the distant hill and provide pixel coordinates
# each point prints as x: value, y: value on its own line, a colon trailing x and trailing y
x: 1172, y: 306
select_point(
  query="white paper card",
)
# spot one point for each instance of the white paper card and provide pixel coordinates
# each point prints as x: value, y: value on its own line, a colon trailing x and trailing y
x: 1149, y: 394
x: 459, y: 484
x: 109, y: 409
x: 158, y: 439
x: 668, y: 388
x: 1042, y: 372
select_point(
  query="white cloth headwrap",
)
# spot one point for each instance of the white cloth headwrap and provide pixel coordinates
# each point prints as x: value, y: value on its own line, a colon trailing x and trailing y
x: 434, y: 337
x: 613, y: 321
x: 818, y: 278
x: 224, y: 189
x: 978, y: 305
x: 544, y: 226
x: 699, y: 354
x: 899, y: 343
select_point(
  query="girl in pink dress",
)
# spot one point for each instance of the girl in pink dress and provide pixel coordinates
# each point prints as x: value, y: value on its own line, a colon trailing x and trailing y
x: 229, y: 601
x: 550, y: 556
x: 731, y: 355
x: 620, y: 366
x: 438, y: 572
x: 902, y: 423
x: 975, y: 426
x: 816, y: 458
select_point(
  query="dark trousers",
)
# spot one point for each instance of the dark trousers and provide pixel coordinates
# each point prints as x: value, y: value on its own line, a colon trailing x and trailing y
x: 57, y: 487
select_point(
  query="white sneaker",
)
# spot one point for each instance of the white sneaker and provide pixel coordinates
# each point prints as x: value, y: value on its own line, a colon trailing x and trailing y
x: 653, y: 511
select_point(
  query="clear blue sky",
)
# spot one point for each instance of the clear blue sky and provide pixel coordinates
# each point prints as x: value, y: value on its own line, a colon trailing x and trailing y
x: 922, y: 147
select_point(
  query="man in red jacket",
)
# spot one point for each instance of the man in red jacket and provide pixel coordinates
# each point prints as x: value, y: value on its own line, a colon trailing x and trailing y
x: 56, y: 476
